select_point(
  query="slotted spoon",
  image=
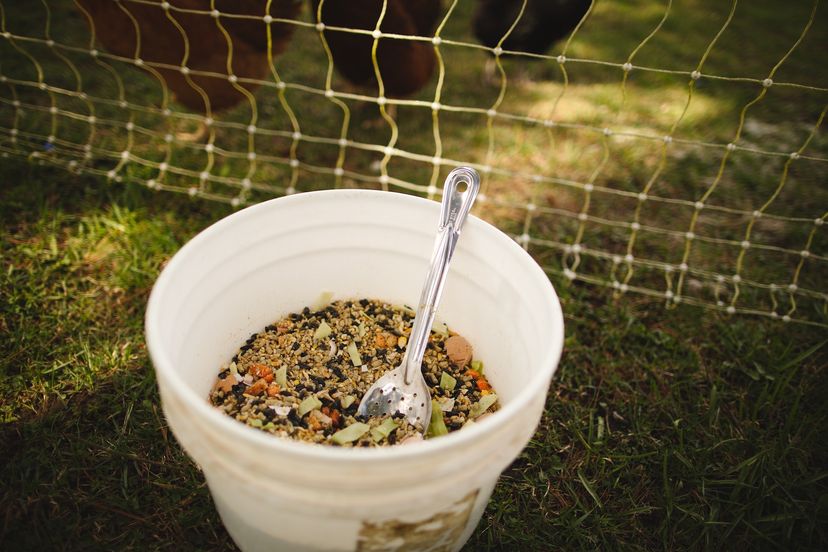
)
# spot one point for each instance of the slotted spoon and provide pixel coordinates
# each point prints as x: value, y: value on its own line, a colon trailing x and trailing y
x: 403, y: 389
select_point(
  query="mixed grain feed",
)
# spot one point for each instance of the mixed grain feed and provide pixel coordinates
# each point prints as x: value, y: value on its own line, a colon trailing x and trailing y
x: 303, y: 376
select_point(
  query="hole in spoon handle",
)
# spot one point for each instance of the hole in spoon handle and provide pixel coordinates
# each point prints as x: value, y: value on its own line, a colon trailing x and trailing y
x: 459, y: 193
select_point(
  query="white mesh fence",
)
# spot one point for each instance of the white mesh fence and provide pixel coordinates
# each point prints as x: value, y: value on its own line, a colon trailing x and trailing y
x: 633, y: 155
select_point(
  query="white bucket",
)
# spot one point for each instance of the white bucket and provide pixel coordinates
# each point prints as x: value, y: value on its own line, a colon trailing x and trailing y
x: 258, y: 264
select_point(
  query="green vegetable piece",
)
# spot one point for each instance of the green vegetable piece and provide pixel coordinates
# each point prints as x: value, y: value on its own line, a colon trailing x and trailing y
x: 269, y: 425
x: 447, y: 382
x: 322, y: 331
x: 482, y: 405
x: 234, y: 369
x: 383, y: 430
x: 255, y: 422
x: 350, y: 434
x: 440, y: 328
x: 323, y: 300
x: 281, y: 377
x: 477, y: 366
x: 309, y: 404
x: 347, y: 400
x: 436, y: 426
x: 361, y: 329
x: 354, y: 354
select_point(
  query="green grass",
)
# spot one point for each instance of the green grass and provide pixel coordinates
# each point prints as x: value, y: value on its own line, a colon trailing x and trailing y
x: 664, y: 429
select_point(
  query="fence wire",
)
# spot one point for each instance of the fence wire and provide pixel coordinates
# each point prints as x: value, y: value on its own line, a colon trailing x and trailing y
x: 631, y: 192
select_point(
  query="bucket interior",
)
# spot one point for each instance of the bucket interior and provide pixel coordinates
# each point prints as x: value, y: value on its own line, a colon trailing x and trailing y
x: 280, y: 256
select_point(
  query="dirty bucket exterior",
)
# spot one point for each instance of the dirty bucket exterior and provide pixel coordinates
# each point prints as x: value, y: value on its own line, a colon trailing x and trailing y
x: 277, y: 257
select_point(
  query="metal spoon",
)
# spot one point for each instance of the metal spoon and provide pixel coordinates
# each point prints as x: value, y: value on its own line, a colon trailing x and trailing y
x: 403, y: 390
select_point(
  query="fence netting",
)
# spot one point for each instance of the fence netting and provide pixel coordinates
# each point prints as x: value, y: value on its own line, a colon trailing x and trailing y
x: 665, y: 148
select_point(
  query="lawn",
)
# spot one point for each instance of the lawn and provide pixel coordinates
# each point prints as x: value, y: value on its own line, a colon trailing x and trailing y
x: 665, y: 428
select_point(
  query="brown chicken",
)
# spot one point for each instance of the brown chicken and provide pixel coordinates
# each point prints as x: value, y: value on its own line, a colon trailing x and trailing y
x: 405, y: 65
x: 161, y: 41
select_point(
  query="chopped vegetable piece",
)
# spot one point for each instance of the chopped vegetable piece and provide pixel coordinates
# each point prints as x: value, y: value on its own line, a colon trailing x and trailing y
x: 257, y: 388
x: 255, y: 422
x: 447, y: 382
x: 447, y: 405
x: 477, y: 366
x: 353, y: 352
x: 440, y: 328
x: 234, y: 369
x: 323, y: 300
x: 361, y: 329
x: 260, y: 370
x: 281, y: 377
x: 281, y: 410
x: 350, y: 433
x: 383, y: 430
x: 322, y: 331
x: 308, y: 404
x: 347, y: 401
x: 437, y: 426
x: 482, y: 405
x: 226, y: 384
x: 269, y: 425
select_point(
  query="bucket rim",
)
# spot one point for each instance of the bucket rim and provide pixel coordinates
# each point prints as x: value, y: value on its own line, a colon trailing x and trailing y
x: 176, y: 384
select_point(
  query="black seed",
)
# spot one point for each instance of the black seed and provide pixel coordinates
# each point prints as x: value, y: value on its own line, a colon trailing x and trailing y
x: 303, y: 365
x: 337, y: 372
x: 245, y: 348
x: 349, y: 304
x: 380, y: 353
x: 224, y: 374
x: 319, y: 379
x: 364, y: 302
x: 392, y: 437
x: 285, y: 393
x: 306, y: 311
x: 235, y: 358
x: 270, y: 328
x: 269, y: 414
x: 294, y: 316
x: 295, y: 345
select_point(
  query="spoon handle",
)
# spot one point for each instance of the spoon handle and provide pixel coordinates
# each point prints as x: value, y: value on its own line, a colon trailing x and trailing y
x: 459, y: 193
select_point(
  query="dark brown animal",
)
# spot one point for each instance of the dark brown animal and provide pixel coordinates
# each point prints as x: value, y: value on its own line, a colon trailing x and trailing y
x: 119, y: 25
x: 542, y: 23
x: 404, y: 65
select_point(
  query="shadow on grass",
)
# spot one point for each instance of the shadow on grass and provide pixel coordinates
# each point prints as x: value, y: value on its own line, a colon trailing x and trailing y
x: 86, y: 459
